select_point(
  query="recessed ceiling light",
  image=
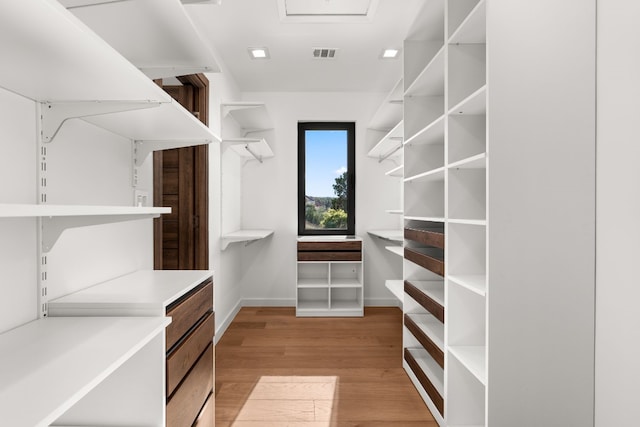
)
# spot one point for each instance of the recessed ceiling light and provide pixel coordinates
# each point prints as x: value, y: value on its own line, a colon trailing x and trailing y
x: 389, y: 53
x: 259, y: 53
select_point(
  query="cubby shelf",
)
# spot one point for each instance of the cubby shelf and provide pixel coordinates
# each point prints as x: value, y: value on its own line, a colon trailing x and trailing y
x: 473, y: 358
x: 244, y: 236
x: 473, y: 29
x: 430, y: 81
x: 389, y: 145
x: 475, y: 283
x: 166, y: 42
x: 49, y: 365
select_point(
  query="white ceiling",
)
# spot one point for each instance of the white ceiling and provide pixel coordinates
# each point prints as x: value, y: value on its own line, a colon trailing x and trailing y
x: 236, y: 25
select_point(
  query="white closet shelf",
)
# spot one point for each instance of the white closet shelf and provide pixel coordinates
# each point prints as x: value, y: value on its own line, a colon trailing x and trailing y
x: 424, y: 218
x: 244, y: 236
x: 50, y: 364
x: 396, y: 287
x: 429, y: 176
x: 430, y: 82
x: 256, y: 148
x: 78, y: 65
x: 392, y: 235
x: 478, y: 161
x: 474, y: 27
x: 473, y: 358
x: 479, y: 222
x: 141, y: 293
x: 166, y: 44
x: 25, y: 210
x: 397, y: 172
x: 432, y: 370
x: 251, y: 116
x: 430, y: 326
x: 389, y: 114
x: 475, y: 283
x: 398, y: 250
x: 389, y: 145
x: 473, y: 105
x: 313, y: 283
x: 433, y: 133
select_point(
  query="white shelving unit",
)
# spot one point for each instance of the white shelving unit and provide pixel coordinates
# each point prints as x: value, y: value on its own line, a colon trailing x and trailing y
x: 167, y: 43
x: 55, y: 370
x: 252, y: 118
x: 330, y: 288
x: 75, y: 371
x: 469, y: 112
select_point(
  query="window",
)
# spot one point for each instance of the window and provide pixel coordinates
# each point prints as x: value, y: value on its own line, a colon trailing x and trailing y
x: 326, y: 178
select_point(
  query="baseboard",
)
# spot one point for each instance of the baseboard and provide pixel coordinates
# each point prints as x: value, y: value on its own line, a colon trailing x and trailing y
x: 268, y: 302
x: 222, y: 328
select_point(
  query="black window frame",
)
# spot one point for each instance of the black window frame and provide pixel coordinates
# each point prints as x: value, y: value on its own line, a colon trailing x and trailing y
x: 350, y: 127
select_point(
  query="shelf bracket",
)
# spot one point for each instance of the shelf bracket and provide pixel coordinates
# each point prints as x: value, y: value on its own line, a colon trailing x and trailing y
x: 53, y: 227
x: 54, y: 114
x: 257, y: 157
x: 393, y: 150
x: 142, y: 148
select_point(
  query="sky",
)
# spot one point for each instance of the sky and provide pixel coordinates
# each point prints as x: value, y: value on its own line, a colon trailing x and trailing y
x: 326, y: 159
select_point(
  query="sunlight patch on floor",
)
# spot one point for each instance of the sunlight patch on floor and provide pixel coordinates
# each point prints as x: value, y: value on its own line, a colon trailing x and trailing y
x: 295, y: 401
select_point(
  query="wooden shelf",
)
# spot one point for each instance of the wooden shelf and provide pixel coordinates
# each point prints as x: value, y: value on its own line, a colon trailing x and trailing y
x: 429, y: 294
x: 166, y: 44
x: 253, y: 148
x: 244, y: 236
x: 473, y: 29
x: 49, y: 365
x: 389, y: 114
x: 141, y: 293
x: 430, y: 258
x: 426, y: 236
x: 430, y: 82
x: 251, y: 116
x: 473, y: 358
x: 396, y: 288
x: 429, y: 332
x: 389, y: 145
x: 429, y: 374
x: 391, y: 235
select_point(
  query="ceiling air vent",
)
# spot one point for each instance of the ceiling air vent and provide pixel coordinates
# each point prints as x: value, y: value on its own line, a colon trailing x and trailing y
x: 324, y: 53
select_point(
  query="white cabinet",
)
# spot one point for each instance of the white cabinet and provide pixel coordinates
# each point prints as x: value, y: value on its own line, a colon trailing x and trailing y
x: 499, y: 155
x: 329, y: 277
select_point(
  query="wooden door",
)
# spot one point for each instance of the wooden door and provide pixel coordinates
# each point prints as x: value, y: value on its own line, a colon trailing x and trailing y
x: 181, y: 239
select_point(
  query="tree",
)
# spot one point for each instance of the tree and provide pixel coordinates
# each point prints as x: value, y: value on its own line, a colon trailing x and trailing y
x: 334, y: 218
x: 340, y: 189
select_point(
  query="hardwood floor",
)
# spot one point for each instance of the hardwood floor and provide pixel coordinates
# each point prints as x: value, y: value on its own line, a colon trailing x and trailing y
x: 273, y: 369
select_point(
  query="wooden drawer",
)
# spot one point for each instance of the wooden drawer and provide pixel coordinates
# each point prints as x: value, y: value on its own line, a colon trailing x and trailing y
x: 189, y: 398
x: 431, y: 305
x: 427, y: 236
x: 344, y: 250
x: 432, y: 349
x: 184, y: 355
x: 430, y: 258
x: 435, y: 397
x: 206, y: 418
x: 187, y: 311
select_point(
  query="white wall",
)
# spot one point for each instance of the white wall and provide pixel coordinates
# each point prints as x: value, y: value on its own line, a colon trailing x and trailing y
x: 269, y: 197
x: 618, y: 214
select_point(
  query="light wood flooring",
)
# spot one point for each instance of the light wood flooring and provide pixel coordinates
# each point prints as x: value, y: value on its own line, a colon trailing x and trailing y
x: 273, y: 369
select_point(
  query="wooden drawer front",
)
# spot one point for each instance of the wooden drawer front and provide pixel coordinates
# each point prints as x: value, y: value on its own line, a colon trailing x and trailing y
x: 430, y: 237
x: 329, y: 256
x: 185, y: 404
x: 431, y: 305
x: 186, y: 312
x: 206, y: 418
x: 436, y: 398
x: 185, y: 354
x: 432, y: 349
x: 429, y: 258
x: 345, y: 245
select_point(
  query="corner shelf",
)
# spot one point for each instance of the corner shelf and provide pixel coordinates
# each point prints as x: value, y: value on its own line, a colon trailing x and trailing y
x: 430, y: 81
x: 391, y: 235
x: 389, y: 145
x: 49, y: 365
x: 429, y: 176
x: 253, y: 148
x: 166, y: 44
x: 248, y: 236
x: 474, y: 104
